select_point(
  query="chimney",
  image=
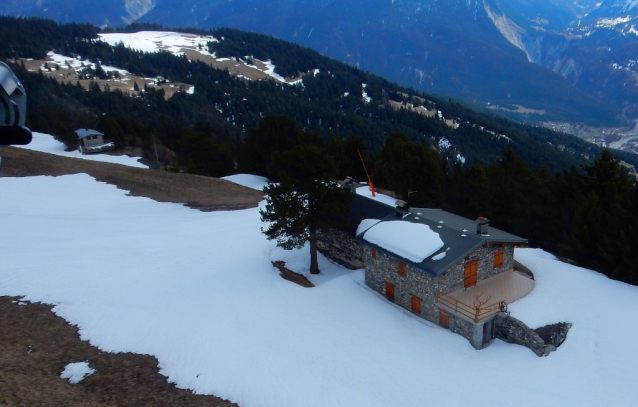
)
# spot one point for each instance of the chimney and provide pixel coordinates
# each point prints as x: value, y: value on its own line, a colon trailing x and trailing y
x: 349, y: 183
x: 402, y: 208
x: 482, y: 226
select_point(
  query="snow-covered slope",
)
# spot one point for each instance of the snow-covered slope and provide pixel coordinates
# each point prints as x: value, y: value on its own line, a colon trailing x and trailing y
x: 197, y: 290
x: 47, y: 144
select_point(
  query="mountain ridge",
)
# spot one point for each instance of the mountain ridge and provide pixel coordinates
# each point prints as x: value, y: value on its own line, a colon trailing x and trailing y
x: 478, y: 50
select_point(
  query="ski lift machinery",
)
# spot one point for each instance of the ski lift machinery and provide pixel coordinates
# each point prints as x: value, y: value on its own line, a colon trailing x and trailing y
x: 13, y: 110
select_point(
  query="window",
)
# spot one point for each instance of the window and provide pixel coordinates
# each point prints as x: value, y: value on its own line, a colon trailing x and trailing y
x: 374, y: 253
x: 416, y: 304
x: 498, y: 258
x: 471, y: 270
x: 403, y: 270
x: 389, y: 291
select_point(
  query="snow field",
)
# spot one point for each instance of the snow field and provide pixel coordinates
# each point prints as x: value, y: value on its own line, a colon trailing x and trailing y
x: 197, y: 290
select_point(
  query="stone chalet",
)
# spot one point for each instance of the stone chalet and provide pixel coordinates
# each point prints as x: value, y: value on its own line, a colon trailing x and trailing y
x: 455, y: 272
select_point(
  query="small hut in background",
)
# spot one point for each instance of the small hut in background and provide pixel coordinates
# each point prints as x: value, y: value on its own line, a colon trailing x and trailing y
x: 92, y: 141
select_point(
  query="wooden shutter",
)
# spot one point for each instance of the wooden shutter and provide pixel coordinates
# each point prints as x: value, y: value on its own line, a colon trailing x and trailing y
x: 374, y: 253
x: 389, y: 291
x: 416, y: 304
x: 403, y: 270
x: 471, y: 271
x: 444, y: 319
x: 498, y: 258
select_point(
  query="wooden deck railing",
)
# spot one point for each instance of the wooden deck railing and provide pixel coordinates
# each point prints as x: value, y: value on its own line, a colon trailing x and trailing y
x: 476, y: 312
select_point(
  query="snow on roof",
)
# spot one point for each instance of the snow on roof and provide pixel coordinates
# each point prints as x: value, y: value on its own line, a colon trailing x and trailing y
x: 366, y: 224
x: 87, y: 132
x: 386, y: 199
x: 412, y: 241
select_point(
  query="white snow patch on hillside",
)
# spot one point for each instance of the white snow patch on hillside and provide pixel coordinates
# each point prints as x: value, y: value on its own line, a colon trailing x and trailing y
x: 251, y: 181
x: 364, y: 94
x: 46, y: 143
x: 412, y: 241
x: 76, y: 64
x: 153, y: 41
x: 76, y: 372
x: 612, y: 22
x: 197, y: 290
x: 270, y: 71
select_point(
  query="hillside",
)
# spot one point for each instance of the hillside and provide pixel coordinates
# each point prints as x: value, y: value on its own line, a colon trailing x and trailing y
x: 126, y: 379
x: 198, y: 292
x: 322, y: 95
x: 195, y: 191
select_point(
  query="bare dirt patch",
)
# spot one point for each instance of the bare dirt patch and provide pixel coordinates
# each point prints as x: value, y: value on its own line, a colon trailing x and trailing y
x: 205, y: 193
x: 36, y: 345
x: 291, y: 276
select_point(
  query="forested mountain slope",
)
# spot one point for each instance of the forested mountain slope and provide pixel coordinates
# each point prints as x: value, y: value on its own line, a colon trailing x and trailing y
x: 328, y: 100
x: 532, y: 60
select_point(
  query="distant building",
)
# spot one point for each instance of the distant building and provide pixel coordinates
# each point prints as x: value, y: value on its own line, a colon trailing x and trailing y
x: 92, y: 141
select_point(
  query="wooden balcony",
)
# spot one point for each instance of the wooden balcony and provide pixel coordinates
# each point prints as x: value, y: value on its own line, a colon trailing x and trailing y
x: 488, y: 297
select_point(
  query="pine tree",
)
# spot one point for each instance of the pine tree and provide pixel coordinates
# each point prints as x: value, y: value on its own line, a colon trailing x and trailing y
x: 305, y: 200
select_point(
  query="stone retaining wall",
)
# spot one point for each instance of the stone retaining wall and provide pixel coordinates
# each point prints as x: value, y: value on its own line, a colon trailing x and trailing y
x: 512, y: 330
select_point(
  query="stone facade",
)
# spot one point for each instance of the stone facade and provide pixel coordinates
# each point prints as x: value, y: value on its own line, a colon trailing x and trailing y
x: 383, y: 268
x: 341, y: 248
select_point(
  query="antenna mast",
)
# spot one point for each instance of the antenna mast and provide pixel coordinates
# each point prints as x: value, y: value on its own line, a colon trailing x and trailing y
x: 367, y: 175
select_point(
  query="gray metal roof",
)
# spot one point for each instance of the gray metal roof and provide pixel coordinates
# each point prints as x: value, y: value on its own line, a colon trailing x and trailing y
x: 460, y: 223
x: 457, y: 233
x: 361, y: 208
x: 87, y: 132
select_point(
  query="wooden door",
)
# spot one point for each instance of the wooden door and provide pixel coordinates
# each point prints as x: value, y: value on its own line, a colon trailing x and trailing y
x: 471, y: 271
x: 389, y: 291
x: 416, y: 304
x: 444, y: 319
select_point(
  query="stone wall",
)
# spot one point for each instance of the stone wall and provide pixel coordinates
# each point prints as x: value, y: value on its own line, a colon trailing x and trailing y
x: 384, y: 268
x: 511, y: 330
x: 341, y: 248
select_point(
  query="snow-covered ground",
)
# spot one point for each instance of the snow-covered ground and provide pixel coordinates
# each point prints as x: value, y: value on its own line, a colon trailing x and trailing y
x: 250, y: 181
x: 47, y: 144
x: 176, y: 43
x: 154, y: 41
x: 197, y: 290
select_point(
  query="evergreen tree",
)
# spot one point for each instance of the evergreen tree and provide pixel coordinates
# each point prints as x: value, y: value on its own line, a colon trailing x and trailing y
x: 305, y: 200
